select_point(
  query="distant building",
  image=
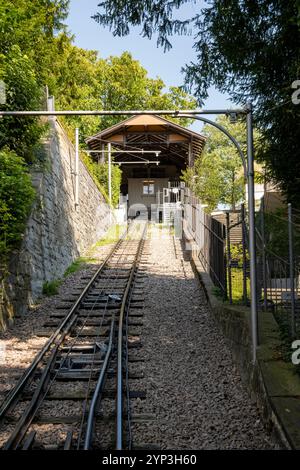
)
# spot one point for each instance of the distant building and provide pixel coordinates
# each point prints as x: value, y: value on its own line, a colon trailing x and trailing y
x: 152, y: 152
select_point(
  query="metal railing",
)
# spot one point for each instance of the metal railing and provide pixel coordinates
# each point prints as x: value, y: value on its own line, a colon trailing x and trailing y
x: 209, y: 237
x: 278, y: 265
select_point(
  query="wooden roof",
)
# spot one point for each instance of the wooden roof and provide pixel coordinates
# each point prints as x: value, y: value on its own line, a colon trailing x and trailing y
x: 150, y: 132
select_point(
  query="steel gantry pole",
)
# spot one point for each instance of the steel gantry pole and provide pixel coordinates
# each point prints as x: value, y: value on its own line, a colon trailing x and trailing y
x: 252, y: 244
x: 76, y: 173
x: 248, y: 171
x: 109, y: 172
x: 248, y: 166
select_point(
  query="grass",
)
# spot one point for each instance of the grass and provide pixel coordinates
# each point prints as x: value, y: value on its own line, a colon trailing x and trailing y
x: 51, y: 287
x: 78, y: 264
x: 237, y: 285
x: 216, y: 291
x: 113, y: 234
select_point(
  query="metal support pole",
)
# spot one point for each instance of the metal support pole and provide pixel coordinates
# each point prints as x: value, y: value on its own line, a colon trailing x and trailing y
x: 170, y: 112
x: 252, y: 245
x: 109, y: 183
x: 228, y: 258
x: 244, y: 254
x: 109, y: 172
x: 76, y: 173
x: 264, y: 260
x: 291, y: 264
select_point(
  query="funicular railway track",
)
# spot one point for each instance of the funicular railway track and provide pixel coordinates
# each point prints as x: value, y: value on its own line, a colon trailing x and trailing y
x: 88, y: 349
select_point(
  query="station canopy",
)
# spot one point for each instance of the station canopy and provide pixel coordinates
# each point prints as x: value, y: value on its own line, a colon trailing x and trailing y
x: 177, y: 144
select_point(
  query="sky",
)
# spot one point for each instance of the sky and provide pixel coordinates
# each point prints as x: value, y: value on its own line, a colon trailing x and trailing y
x: 167, y: 65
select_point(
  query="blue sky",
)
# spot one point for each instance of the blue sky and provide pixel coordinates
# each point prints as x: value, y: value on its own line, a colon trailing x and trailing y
x: 89, y: 35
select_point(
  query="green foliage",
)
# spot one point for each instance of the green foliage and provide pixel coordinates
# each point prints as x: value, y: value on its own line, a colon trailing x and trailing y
x: 27, y: 48
x: 217, y: 177
x: 237, y: 285
x: 217, y: 292
x: 113, y: 234
x: 77, y: 265
x: 22, y: 92
x: 277, y: 235
x: 99, y: 173
x: 114, y: 83
x: 51, y: 287
x: 16, y: 197
x: 247, y: 49
x: 236, y: 252
x: 284, y: 350
x: 36, y: 50
x: 124, y: 84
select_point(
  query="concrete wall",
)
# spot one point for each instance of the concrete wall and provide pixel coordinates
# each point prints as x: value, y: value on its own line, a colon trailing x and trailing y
x: 57, y: 232
x: 135, y: 191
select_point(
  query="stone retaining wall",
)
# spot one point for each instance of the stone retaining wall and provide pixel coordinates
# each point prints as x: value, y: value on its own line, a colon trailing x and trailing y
x: 57, y: 232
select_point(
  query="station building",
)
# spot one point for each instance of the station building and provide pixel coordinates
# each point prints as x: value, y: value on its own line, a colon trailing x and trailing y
x: 152, y: 152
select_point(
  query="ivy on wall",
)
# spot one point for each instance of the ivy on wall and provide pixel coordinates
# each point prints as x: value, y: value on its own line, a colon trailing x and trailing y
x: 16, y: 198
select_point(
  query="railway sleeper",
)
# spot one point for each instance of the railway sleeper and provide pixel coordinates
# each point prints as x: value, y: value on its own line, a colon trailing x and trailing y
x: 75, y: 419
x: 87, y: 374
x: 91, y: 322
x: 80, y: 394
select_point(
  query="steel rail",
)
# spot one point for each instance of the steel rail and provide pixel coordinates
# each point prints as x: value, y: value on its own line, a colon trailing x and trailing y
x: 119, y: 424
x: 61, y: 330
x: 88, y: 388
x: 98, y: 391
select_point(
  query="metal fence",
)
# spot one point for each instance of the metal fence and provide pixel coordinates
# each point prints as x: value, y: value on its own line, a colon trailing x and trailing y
x: 209, y: 235
x: 222, y: 247
x: 278, y: 265
x: 237, y: 258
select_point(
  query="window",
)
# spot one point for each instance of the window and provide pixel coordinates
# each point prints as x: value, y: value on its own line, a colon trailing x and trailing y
x: 148, y: 188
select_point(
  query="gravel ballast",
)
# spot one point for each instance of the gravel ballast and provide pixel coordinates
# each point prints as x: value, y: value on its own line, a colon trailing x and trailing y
x: 194, y: 395
x: 193, y: 387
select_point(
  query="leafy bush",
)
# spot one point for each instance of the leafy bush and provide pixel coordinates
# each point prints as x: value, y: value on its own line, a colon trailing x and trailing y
x: 16, y: 197
x: 100, y: 176
x: 276, y: 233
x: 22, y: 92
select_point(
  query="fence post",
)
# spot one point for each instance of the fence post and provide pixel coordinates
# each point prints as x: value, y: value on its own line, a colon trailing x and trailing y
x: 228, y: 258
x: 244, y: 254
x: 252, y: 242
x: 264, y: 261
x: 225, y: 296
x: 291, y: 263
x: 76, y: 173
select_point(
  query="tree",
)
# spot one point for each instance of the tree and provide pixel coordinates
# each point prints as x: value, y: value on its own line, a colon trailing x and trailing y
x: 27, y: 48
x: 249, y: 49
x: 218, y: 176
x: 125, y: 84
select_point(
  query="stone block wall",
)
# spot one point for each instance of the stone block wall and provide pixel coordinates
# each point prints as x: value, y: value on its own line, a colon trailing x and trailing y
x: 57, y: 231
